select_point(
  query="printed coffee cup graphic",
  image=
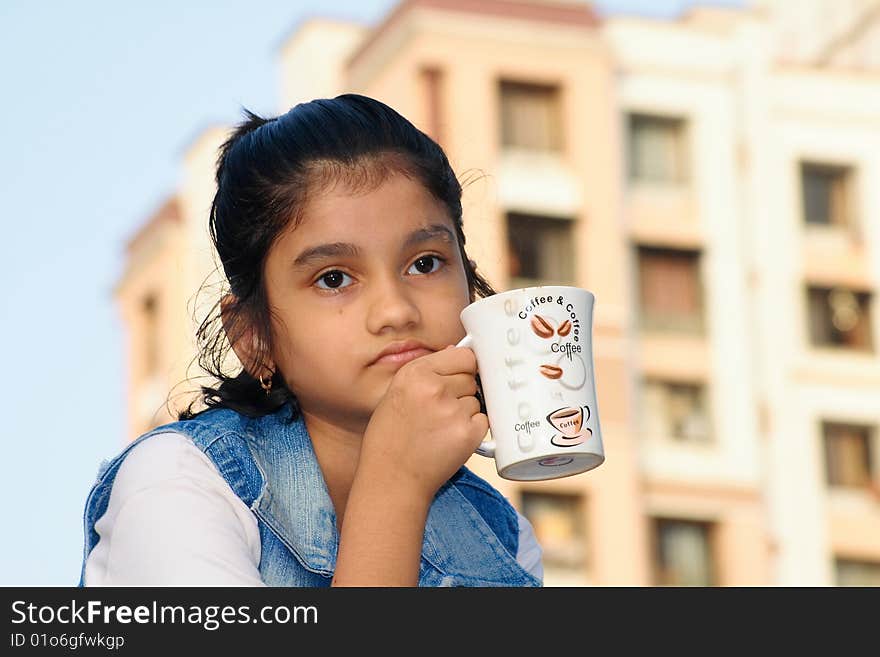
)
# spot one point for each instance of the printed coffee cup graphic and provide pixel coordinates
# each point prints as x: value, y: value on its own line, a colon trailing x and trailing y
x: 569, y: 422
x: 552, y: 339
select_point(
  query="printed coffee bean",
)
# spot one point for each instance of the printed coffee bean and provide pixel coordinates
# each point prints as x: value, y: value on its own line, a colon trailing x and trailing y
x: 542, y: 327
x: 551, y: 371
x: 564, y: 328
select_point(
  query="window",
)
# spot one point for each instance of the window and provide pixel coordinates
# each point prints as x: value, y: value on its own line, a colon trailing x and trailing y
x: 540, y: 250
x: 558, y: 521
x: 432, y: 85
x: 670, y: 293
x: 657, y: 151
x: 848, y: 454
x: 676, y: 410
x: 826, y: 193
x: 150, y: 309
x: 683, y: 553
x: 531, y: 117
x: 840, y: 318
x: 857, y: 573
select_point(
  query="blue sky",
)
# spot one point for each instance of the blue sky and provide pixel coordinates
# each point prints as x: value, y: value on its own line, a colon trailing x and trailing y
x: 100, y: 99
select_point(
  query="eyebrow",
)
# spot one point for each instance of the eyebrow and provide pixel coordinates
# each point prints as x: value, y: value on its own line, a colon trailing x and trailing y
x: 435, y: 231
x: 337, y: 249
x: 322, y: 251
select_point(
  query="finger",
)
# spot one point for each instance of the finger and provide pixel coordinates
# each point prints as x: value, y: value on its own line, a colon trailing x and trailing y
x: 480, y: 425
x: 470, y: 405
x: 453, y: 360
x: 460, y: 385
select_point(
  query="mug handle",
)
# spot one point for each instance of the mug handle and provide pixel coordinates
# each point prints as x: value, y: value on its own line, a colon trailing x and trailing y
x: 487, y: 447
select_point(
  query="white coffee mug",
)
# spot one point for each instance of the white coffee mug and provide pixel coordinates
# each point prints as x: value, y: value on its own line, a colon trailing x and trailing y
x: 534, y: 352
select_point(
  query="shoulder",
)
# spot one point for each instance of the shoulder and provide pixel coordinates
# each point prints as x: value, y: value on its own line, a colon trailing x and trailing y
x: 495, y: 509
x: 206, y: 427
x: 160, y: 458
x: 513, y: 528
x: 477, y: 488
x: 225, y: 442
x: 171, y: 519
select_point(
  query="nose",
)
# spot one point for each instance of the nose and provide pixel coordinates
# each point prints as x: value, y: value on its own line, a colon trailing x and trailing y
x: 392, y: 308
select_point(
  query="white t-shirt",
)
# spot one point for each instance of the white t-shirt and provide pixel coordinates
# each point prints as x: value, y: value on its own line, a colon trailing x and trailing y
x: 172, y: 520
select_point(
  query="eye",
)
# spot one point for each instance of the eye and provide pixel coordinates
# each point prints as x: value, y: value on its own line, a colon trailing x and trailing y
x: 333, y: 280
x: 426, y: 264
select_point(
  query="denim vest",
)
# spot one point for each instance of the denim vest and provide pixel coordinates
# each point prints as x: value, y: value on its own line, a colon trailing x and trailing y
x: 471, y: 533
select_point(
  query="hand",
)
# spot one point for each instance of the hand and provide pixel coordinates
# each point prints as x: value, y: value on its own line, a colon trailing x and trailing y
x: 427, y: 424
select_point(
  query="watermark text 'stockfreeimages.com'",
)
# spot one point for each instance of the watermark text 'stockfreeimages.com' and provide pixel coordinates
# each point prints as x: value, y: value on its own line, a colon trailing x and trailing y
x: 210, y: 617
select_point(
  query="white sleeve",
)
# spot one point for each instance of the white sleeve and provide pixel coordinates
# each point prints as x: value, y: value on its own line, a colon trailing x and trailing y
x: 528, y: 553
x: 172, y: 520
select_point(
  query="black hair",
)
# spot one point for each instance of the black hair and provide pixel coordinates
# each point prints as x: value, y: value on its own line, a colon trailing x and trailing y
x: 266, y: 170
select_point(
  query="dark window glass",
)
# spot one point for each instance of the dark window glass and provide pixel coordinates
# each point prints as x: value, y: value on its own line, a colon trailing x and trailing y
x: 857, y: 573
x: 848, y: 454
x: 150, y: 309
x: 657, y: 152
x: 825, y: 193
x: 683, y: 553
x: 531, y: 116
x: 540, y: 250
x: 670, y: 292
x: 676, y: 410
x: 558, y: 521
x: 840, y: 318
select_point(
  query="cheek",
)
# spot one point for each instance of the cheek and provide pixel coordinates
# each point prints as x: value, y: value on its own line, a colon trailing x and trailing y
x: 319, y: 343
x: 293, y: 344
x: 457, y: 287
x: 445, y: 312
x: 304, y: 363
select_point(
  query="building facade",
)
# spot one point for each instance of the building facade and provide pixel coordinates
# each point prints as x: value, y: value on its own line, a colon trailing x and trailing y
x: 709, y: 179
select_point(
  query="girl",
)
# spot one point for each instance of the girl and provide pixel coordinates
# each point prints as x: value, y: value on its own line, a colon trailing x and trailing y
x: 335, y: 455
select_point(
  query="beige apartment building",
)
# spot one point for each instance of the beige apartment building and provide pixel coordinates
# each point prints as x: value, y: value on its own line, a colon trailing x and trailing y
x: 813, y: 200
x: 709, y: 179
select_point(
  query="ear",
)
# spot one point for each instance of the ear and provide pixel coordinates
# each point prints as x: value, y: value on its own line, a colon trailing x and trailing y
x: 244, y: 340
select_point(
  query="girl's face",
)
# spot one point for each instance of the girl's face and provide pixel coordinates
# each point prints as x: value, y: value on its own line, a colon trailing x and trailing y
x: 359, y: 273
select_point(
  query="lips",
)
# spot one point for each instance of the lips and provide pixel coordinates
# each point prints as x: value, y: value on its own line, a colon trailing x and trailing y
x: 401, y: 352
